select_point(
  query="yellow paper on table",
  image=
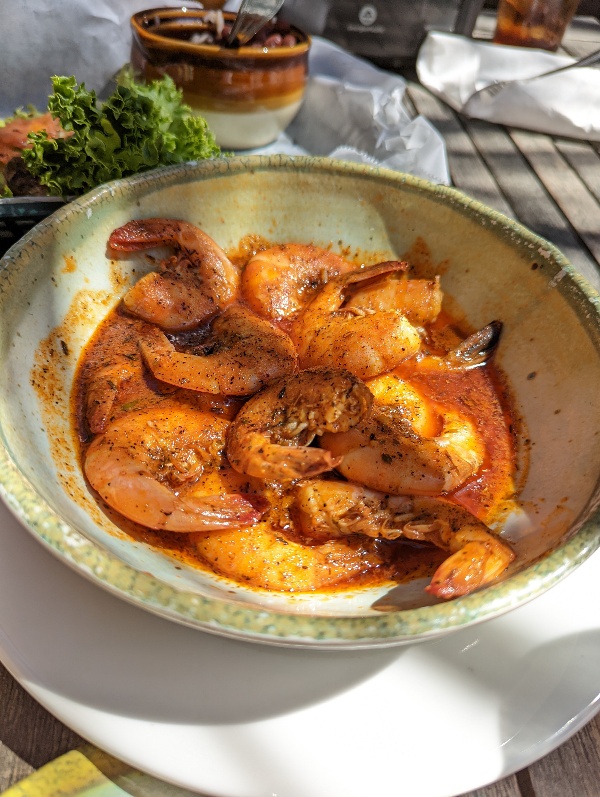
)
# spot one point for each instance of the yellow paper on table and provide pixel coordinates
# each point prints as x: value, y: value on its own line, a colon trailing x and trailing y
x: 89, y: 772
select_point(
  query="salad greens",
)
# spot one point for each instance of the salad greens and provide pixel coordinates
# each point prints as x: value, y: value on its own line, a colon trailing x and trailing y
x: 138, y: 127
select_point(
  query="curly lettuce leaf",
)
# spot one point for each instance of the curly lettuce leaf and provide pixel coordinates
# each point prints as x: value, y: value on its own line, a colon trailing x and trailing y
x: 138, y: 127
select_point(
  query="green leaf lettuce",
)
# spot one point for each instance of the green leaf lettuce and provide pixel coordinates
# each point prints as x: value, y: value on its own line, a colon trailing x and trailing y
x: 138, y: 127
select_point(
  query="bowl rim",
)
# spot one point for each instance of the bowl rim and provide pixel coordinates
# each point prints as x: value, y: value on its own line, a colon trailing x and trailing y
x: 251, y: 622
x: 212, y: 50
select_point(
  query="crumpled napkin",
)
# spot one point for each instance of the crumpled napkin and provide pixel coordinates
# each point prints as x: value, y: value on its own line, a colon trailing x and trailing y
x: 567, y: 104
x: 354, y: 111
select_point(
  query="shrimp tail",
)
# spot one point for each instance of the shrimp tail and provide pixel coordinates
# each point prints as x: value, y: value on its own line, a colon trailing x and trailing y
x: 477, y: 349
x: 478, y: 558
x: 138, y: 234
x: 386, y: 267
x: 219, y: 512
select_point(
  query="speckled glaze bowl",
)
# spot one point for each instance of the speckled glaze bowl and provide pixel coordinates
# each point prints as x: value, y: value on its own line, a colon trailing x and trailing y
x: 247, y: 95
x: 57, y: 284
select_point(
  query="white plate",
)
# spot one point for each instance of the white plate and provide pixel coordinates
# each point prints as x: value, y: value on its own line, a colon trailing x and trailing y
x: 236, y: 719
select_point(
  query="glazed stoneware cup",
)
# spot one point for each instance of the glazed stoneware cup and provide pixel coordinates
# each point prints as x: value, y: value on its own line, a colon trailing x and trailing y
x: 248, y: 95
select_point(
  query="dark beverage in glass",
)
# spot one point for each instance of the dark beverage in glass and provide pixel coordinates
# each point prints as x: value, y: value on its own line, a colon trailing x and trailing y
x: 534, y: 23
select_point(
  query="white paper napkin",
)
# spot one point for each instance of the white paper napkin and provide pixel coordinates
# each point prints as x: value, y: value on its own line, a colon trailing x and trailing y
x: 567, y: 104
x: 354, y: 111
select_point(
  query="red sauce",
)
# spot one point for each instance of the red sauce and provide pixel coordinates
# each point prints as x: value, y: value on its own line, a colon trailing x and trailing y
x: 477, y: 394
x: 288, y: 563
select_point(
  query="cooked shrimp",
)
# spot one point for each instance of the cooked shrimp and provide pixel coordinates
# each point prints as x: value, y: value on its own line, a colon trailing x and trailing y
x: 330, y: 510
x: 165, y: 469
x: 103, y: 390
x: 265, y: 558
x: 278, y: 282
x: 366, y: 343
x: 420, y: 300
x: 478, y: 557
x: 271, y: 435
x: 194, y: 284
x: 333, y: 509
x: 407, y: 444
x: 477, y: 349
x: 245, y: 354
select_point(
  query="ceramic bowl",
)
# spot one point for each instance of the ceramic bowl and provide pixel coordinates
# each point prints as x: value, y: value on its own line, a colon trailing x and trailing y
x: 58, y: 283
x: 248, y: 95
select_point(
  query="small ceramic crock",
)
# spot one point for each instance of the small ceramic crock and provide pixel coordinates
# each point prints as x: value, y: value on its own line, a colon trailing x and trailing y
x: 248, y: 95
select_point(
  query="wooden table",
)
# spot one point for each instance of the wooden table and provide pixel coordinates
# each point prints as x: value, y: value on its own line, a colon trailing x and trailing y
x: 552, y: 186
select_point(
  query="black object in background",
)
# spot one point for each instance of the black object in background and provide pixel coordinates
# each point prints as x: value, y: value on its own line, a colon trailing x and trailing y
x: 387, y: 32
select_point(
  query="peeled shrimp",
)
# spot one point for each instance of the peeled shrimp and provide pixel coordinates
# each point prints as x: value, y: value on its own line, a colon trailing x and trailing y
x: 271, y: 435
x: 278, y: 282
x: 194, y: 284
x: 366, y: 343
x: 330, y: 510
x: 420, y: 300
x: 164, y: 468
x: 263, y: 557
x: 407, y: 444
x: 245, y: 354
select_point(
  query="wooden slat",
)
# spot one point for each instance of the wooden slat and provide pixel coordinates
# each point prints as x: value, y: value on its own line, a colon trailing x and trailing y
x: 584, y: 159
x: 533, y: 204
x: 572, y: 769
x: 485, y: 163
x: 12, y: 768
x: 508, y: 787
x: 30, y: 736
x: 467, y: 169
x: 567, y: 189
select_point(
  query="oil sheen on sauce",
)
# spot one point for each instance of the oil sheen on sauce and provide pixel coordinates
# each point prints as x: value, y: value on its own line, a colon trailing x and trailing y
x: 272, y: 554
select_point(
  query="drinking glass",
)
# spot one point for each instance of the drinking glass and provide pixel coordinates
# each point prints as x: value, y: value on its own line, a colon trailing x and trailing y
x: 534, y: 23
